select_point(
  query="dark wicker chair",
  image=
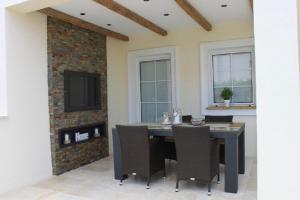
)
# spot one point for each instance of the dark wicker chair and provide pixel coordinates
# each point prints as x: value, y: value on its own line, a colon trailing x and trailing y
x: 220, y: 119
x: 170, y: 150
x: 197, y: 155
x: 187, y: 118
x: 140, y: 155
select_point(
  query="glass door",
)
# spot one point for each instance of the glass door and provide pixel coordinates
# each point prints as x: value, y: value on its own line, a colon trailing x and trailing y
x: 155, y: 89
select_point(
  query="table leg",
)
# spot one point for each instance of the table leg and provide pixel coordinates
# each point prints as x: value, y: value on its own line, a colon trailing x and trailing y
x: 242, y: 153
x: 231, y: 164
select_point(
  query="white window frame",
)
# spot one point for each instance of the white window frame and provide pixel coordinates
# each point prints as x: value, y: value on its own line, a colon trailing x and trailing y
x: 3, y: 85
x: 211, y: 72
x: 207, y: 50
x: 134, y: 59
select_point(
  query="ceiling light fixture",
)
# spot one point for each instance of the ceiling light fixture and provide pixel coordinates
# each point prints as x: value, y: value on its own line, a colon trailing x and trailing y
x: 166, y: 14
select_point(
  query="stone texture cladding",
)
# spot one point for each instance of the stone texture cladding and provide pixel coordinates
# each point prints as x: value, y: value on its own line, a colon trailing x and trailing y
x: 73, y: 48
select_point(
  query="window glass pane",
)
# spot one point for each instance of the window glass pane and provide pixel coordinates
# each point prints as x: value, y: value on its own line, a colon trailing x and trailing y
x: 221, y: 63
x: 222, y: 79
x: 241, y: 69
x: 242, y: 78
x: 156, y: 89
x: 217, y: 97
x: 163, y: 91
x: 241, y: 61
x: 242, y: 95
x: 148, y: 92
x: 221, y: 68
x: 161, y: 108
x: 163, y: 70
x: 148, y: 112
x: 233, y: 71
x: 147, y: 70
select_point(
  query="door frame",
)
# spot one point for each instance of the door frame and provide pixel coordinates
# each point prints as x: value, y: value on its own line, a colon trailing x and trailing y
x: 134, y: 59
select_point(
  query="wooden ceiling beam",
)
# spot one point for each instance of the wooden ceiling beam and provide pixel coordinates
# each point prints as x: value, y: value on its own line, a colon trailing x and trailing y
x: 193, y: 13
x: 251, y: 4
x: 83, y: 24
x: 118, y: 8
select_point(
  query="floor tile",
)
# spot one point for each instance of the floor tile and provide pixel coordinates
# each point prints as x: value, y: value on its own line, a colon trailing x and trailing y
x: 95, y: 182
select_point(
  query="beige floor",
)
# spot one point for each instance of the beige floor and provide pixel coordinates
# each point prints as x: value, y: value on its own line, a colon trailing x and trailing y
x: 95, y: 182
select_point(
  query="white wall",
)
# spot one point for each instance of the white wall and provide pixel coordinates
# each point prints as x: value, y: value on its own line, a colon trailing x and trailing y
x: 187, y: 43
x: 3, y: 94
x: 298, y: 19
x: 12, y: 2
x: 26, y: 6
x: 278, y: 99
x: 25, y: 138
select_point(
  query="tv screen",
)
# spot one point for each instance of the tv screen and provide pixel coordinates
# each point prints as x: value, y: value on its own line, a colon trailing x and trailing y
x: 82, y: 91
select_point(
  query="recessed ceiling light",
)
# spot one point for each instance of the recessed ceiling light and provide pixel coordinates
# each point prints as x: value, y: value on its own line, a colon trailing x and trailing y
x: 224, y: 5
x: 166, y: 14
x: 108, y: 24
x: 82, y: 13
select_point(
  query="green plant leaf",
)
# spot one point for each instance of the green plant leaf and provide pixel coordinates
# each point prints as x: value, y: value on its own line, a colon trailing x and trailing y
x: 226, y: 93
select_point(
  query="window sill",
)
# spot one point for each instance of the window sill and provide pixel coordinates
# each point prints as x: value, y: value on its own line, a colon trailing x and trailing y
x: 244, y: 107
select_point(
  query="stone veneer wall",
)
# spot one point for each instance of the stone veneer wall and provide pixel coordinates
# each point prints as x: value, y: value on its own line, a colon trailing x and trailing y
x: 73, y: 48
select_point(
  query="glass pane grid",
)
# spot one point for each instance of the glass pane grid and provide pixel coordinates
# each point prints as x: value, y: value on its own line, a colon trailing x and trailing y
x: 155, y: 88
x: 155, y: 81
x: 147, y: 81
x: 233, y: 86
x: 147, y: 72
x: 156, y: 101
x: 233, y: 71
x: 155, y: 78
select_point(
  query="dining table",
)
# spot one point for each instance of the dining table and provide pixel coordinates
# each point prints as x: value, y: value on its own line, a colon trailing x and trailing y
x: 233, y: 135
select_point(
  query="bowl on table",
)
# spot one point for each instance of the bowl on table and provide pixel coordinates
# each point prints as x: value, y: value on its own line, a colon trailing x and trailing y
x: 197, y: 121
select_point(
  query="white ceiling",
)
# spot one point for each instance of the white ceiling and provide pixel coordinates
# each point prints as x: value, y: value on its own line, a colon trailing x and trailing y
x: 153, y: 10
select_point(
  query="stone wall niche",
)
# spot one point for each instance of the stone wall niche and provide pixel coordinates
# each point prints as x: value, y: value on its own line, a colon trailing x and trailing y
x: 76, y: 49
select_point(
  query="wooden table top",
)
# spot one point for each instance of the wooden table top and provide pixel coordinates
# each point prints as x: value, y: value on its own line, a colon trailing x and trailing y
x: 212, y: 126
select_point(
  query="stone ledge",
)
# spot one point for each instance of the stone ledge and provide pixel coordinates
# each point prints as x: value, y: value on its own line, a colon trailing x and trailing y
x: 244, y: 107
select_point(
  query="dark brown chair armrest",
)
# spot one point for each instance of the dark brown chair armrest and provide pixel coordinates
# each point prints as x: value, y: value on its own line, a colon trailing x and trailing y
x: 221, y: 141
x: 169, y: 139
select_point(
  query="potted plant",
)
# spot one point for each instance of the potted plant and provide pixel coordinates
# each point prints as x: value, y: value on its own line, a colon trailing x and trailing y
x: 226, y: 94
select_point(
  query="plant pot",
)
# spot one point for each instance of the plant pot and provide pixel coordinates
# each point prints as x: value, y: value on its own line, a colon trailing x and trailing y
x: 227, y: 103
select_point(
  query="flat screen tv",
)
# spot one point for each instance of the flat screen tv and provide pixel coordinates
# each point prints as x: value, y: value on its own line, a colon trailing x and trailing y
x: 82, y: 91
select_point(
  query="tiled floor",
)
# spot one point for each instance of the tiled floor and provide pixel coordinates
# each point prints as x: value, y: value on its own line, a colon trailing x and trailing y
x: 95, y: 182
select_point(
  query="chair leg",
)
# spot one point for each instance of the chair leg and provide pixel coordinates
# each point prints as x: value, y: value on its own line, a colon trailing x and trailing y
x: 219, y: 176
x: 209, y: 189
x: 121, y: 182
x: 177, y: 185
x: 148, y: 183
